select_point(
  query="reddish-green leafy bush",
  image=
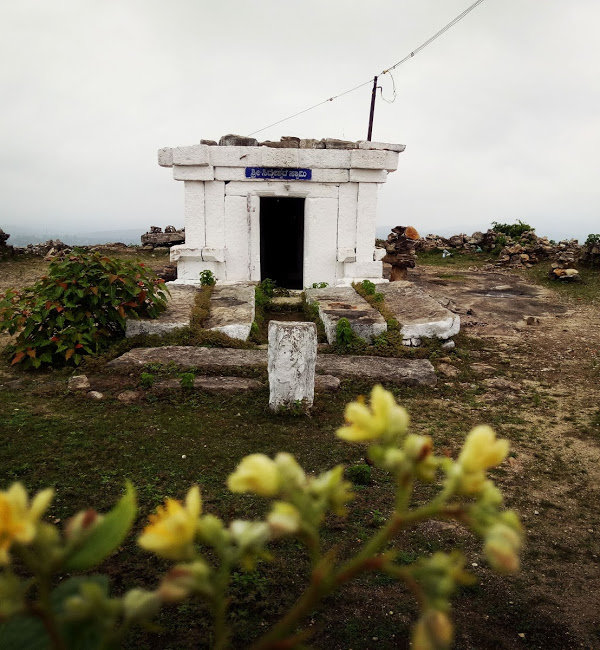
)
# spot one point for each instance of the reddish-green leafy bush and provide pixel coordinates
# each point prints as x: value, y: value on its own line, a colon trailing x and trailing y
x: 78, y: 308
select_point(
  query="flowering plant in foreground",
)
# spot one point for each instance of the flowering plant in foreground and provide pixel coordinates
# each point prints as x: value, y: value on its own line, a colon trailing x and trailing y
x: 79, y: 612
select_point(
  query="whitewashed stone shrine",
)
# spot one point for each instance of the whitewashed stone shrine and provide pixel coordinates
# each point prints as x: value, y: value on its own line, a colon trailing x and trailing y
x: 297, y: 211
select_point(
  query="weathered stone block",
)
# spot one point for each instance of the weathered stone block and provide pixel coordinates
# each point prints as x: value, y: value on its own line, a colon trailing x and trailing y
x: 368, y: 175
x: 292, y: 361
x: 196, y: 154
x: 334, y: 143
x: 236, y: 156
x: 232, y: 140
x: 279, y: 157
x: 311, y: 143
x: 335, y: 303
x: 328, y: 159
x: 365, y: 144
x: 165, y: 157
x: 372, y: 159
x: 193, y: 173
x: 232, y: 310
x: 330, y: 176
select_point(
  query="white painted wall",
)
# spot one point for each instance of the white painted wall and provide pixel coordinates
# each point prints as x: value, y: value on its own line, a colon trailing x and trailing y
x: 222, y: 209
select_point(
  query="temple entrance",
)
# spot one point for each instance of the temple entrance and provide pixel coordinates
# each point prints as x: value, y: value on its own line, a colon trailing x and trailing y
x: 282, y: 241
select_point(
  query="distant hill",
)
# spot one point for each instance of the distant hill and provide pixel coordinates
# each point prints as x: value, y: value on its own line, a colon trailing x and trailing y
x: 22, y: 236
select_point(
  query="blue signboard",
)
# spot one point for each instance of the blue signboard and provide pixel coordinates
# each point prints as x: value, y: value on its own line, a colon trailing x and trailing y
x: 279, y: 173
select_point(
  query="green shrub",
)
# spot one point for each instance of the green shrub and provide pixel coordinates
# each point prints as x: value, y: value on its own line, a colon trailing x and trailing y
x: 268, y: 286
x: 368, y: 287
x: 78, y: 308
x: 343, y: 332
x: 592, y: 239
x: 146, y: 380
x: 346, y: 340
x: 207, y: 278
x: 186, y: 380
x: 514, y: 230
x: 319, y: 285
x: 359, y: 474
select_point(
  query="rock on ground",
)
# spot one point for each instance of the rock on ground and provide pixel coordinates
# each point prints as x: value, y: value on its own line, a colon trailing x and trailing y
x: 210, y: 384
x: 79, y: 382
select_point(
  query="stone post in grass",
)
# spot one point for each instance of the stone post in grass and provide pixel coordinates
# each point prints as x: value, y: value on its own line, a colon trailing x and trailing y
x: 292, y: 361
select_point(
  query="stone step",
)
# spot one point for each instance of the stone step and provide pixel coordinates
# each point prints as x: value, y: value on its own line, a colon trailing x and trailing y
x: 412, y: 372
x: 343, y: 302
x: 419, y: 315
x: 176, y: 315
x: 210, y: 384
x: 232, y: 310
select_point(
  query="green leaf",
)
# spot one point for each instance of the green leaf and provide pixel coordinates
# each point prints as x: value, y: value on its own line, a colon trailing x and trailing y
x: 24, y: 633
x: 107, y: 535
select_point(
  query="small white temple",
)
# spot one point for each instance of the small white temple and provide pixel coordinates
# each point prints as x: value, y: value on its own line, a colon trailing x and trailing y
x: 297, y: 211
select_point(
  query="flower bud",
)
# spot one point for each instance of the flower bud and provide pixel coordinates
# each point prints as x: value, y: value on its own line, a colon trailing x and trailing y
x: 417, y: 448
x: 249, y: 534
x: 393, y: 459
x: 332, y: 487
x: 256, y: 473
x: 433, y: 631
x: 502, y: 545
x: 292, y: 475
x: 140, y: 605
x: 284, y: 519
x: 212, y: 531
x: 80, y: 525
x: 185, y: 579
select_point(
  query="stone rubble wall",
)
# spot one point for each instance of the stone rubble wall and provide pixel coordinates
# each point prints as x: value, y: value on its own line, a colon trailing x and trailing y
x: 590, y: 254
x: 524, y: 251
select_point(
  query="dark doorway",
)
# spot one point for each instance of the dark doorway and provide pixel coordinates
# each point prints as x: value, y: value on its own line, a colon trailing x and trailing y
x: 282, y: 241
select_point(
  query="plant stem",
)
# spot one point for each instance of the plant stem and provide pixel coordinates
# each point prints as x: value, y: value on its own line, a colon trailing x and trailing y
x: 44, y: 612
x: 220, y: 602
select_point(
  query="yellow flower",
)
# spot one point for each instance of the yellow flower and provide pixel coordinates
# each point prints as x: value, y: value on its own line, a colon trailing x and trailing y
x: 172, y: 529
x: 481, y: 450
x: 18, y: 518
x: 256, y: 473
x: 385, y: 419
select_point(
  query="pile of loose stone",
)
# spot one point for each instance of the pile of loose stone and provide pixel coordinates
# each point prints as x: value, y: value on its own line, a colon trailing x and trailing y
x: 526, y: 251
x: 521, y: 252
x: 477, y: 242
x: 590, y: 252
x: 156, y: 237
x: 400, y: 251
x: 292, y: 142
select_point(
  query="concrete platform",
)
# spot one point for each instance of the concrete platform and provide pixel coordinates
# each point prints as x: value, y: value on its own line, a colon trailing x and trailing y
x: 343, y: 302
x: 176, y: 315
x: 419, y: 315
x: 232, y: 310
x: 411, y: 372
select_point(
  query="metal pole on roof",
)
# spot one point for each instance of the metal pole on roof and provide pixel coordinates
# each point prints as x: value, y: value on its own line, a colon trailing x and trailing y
x: 372, y: 113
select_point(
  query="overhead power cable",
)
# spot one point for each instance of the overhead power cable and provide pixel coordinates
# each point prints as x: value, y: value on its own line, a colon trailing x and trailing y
x: 386, y: 71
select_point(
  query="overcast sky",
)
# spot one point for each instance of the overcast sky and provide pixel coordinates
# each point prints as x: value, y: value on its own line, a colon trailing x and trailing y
x: 500, y: 116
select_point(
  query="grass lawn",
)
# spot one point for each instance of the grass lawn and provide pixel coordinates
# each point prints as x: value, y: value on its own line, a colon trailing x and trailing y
x: 165, y: 443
